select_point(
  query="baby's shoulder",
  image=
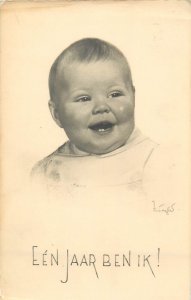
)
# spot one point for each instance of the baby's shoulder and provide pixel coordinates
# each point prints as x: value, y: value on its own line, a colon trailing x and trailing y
x: 41, y: 166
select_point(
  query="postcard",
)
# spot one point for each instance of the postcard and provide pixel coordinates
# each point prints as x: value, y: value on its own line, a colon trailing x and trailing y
x: 95, y: 150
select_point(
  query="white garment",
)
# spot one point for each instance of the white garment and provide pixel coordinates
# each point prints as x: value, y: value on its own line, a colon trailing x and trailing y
x: 124, y: 166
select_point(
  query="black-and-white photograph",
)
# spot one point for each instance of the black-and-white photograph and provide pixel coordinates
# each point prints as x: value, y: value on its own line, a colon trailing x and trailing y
x: 92, y: 97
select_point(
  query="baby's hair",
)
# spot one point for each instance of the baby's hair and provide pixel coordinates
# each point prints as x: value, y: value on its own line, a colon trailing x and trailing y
x: 86, y: 50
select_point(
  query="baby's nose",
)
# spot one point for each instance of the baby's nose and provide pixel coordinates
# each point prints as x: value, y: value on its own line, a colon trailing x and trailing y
x: 100, y: 107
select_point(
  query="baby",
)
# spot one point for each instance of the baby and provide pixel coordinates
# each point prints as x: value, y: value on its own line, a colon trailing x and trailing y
x: 92, y: 98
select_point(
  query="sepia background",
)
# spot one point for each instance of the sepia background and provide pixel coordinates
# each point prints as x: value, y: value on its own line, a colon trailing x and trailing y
x: 155, y: 36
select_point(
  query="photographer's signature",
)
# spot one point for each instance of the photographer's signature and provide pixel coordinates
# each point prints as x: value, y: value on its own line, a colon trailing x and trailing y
x: 163, y: 208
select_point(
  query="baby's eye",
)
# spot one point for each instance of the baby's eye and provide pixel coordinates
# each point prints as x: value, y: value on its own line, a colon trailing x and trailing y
x: 83, y: 99
x: 115, y: 94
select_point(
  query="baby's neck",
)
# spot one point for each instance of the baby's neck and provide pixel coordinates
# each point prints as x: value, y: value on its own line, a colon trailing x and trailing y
x: 76, y: 151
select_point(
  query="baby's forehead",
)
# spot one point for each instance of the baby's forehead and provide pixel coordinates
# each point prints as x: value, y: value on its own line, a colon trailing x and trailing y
x: 93, y: 66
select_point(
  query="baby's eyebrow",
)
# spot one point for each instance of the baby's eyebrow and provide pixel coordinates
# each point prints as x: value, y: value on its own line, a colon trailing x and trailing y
x: 117, y: 86
x: 79, y: 91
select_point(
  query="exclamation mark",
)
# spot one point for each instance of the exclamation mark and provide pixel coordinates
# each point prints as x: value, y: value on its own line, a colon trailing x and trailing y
x: 138, y: 260
x: 158, y: 256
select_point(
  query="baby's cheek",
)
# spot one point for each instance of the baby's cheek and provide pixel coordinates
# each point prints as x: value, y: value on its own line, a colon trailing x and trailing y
x: 121, y: 108
x: 125, y: 111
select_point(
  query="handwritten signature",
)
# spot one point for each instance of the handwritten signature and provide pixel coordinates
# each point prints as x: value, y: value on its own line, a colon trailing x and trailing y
x: 163, y: 208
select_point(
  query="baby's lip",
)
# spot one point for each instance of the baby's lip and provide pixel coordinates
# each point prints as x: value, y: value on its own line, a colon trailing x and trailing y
x: 102, y: 126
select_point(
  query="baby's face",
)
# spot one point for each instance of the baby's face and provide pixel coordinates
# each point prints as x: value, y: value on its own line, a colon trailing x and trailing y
x: 95, y: 106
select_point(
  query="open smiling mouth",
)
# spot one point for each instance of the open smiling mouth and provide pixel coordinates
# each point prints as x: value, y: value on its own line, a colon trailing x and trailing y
x: 102, y: 127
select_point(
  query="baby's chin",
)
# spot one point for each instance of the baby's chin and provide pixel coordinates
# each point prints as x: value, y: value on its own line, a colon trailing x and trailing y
x: 97, y: 150
x: 103, y: 145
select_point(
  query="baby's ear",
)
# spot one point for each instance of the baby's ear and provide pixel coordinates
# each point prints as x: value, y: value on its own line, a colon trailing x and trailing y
x: 54, y: 112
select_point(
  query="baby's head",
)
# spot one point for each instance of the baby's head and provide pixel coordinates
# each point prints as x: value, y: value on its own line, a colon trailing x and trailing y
x: 92, y: 96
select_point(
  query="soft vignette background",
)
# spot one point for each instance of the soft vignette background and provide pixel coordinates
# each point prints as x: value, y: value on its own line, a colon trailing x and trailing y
x: 155, y: 37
